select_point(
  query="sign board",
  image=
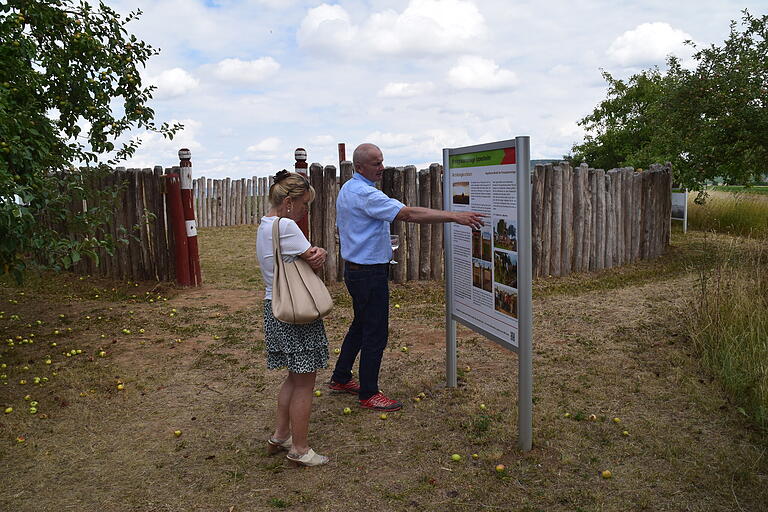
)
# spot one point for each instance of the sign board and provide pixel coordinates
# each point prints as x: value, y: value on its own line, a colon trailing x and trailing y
x: 680, y: 206
x: 488, y: 271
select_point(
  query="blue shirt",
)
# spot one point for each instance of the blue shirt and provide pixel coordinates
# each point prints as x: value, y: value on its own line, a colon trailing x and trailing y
x: 363, y: 214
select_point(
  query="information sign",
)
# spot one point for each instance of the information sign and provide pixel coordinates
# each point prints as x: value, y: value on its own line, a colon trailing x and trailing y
x: 488, y: 270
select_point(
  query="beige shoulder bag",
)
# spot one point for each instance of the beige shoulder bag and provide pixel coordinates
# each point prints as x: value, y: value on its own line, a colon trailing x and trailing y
x: 298, y: 295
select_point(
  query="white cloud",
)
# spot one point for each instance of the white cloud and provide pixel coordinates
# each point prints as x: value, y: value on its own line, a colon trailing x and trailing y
x: 268, y: 145
x: 246, y: 71
x: 173, y: 83
x: 472, y: 72
x: 424, y: 27
x: 406, y: 89
x: 647, y: 44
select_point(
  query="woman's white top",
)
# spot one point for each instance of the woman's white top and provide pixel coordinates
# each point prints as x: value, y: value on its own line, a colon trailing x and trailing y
x: 292, y: 243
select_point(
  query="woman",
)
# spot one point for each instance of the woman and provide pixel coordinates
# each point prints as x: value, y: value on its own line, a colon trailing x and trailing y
x: 300, y: 348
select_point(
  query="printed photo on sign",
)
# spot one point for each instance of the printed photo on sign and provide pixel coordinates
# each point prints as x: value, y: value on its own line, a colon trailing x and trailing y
x: 460, y: 192
x: 481, y: 244
x: 505, y: 268
x: 481, y: 275
x: 505, y: 300
x: 505, y: 233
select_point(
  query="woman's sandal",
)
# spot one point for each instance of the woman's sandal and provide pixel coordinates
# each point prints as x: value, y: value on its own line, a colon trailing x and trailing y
x: 275, y: 445
x: 308, y: 459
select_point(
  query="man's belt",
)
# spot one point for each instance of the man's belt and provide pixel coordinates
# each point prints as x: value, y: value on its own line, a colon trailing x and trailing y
x: 358, y: 266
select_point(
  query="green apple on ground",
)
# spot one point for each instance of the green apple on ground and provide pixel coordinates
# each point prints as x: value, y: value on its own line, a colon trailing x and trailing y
x: 455, y: 457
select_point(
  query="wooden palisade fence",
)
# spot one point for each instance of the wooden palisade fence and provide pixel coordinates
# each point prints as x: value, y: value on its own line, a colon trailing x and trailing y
x: 141, y: 222
x: 583, y: 219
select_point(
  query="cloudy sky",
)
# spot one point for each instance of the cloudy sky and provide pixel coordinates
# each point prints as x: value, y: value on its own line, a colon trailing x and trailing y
x: 251, y: 80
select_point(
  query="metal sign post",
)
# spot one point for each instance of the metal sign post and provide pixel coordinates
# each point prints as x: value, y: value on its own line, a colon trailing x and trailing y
x: 488, y: 272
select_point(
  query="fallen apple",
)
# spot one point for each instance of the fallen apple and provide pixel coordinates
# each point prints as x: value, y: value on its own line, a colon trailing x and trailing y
x: 500, y: 468
x: 606, y: 474
x: 177, y: 433
x: 455, y: 457
x: 383, y: 415
x: 347, y: 410
x: 318, y: 392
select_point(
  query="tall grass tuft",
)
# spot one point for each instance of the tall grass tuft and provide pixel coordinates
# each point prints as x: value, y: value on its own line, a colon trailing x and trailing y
x: 728, y: 323
x: 727, y: 212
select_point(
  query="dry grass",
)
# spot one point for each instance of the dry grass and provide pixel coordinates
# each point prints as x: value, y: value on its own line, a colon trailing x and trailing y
x: 614, y: 349
x: 738, y: 213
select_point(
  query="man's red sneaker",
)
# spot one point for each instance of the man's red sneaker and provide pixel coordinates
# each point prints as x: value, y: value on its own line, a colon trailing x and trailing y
x: 350, y: 387
x: 379, y: 402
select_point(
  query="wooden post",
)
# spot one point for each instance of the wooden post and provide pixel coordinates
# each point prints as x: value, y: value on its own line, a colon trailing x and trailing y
x: 567, y: 223
x: 425, y: 230
x: 143, y: 207
x: 546, y: 226
x: 329, y: 223
x: 134, y: 221
x: 626, y: 199
x: 160, y: 231
x: 637, y: 213
x: 243, y: 199
x: 411, y: 228
x: 646, y: 207
x: 316, y: 208
x: 399, y: 228
x: 345, y: 174
x: 601, y: 219
x: 436, y: 251
x: 579, y: 173
x: 610, y: 220
x: 537, y: 212
x: 557, y: 222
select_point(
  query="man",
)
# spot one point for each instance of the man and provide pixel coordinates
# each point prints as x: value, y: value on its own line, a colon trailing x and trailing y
x: 363, y: 216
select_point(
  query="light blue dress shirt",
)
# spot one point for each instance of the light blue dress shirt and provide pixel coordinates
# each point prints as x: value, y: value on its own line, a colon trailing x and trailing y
x: 363, y: 214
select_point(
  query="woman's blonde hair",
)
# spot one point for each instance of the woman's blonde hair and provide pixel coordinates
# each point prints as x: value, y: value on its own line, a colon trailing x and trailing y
x: 289, y: 184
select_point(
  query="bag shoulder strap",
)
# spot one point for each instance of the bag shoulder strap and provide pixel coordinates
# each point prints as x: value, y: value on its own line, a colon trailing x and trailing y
x: 276, y: 239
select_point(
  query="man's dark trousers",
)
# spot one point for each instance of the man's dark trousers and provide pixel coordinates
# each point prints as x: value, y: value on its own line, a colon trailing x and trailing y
x: 369, y: 287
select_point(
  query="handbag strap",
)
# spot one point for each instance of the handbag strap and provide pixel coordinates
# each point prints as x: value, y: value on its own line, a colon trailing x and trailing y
x: 276, y: 241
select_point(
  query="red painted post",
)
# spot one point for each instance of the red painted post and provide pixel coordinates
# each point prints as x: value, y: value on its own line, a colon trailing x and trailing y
x: 301, y: 167
x: 342, y: 153
x: 185, y: 157
x: 176, y: 216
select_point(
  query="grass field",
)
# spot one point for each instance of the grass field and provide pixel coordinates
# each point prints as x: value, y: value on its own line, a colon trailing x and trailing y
x: 726, y: 212
x: 612, y: 344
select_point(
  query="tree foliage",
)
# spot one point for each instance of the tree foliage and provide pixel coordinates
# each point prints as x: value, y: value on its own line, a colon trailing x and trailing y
x: 709, y: 121
x: 69, y: 89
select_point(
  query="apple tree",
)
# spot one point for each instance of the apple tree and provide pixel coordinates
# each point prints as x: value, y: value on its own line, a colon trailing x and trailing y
x: 709, y: 120
x: 69, y: 89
